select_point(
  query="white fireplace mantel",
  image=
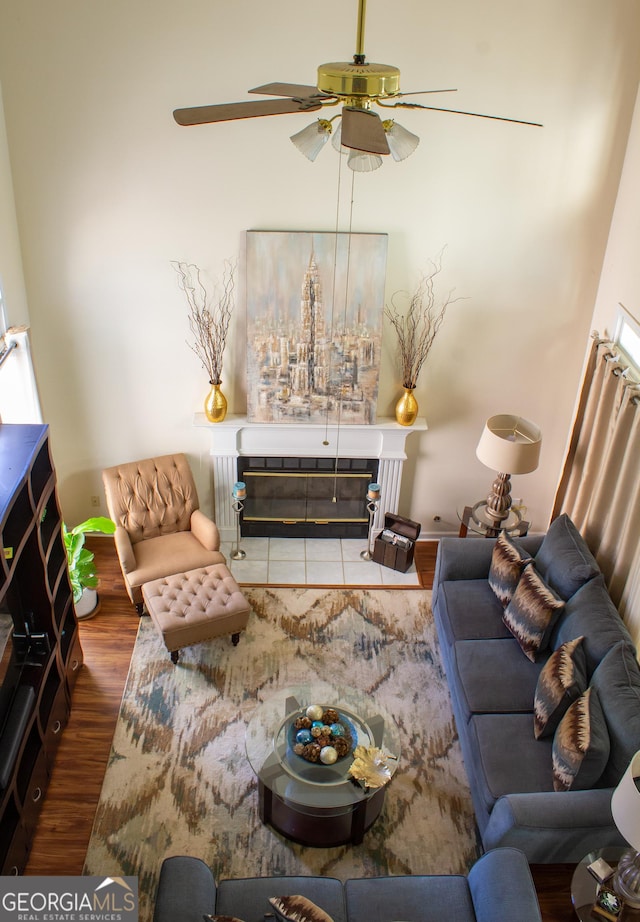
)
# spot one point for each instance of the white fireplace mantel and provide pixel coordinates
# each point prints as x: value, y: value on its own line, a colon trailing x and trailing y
x: 236, y: 437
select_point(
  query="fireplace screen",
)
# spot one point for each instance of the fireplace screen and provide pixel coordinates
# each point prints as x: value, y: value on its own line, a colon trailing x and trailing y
x: 306, y: 497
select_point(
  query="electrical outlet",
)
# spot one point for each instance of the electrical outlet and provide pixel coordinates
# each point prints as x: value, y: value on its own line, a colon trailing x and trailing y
x: 95, y: 501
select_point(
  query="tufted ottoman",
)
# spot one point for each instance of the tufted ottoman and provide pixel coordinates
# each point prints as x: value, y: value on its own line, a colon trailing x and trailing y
x: 191, y: 607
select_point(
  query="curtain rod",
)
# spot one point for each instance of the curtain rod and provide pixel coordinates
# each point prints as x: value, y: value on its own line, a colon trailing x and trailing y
x: 4, y: 355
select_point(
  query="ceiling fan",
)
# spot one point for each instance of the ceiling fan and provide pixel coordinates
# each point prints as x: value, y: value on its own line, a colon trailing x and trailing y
x: 356, y: 86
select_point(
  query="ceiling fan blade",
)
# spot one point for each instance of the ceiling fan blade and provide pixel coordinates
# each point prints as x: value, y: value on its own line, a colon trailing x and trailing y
x: 201, y: 115
x: 296, y: 90
x: 499, y: 118
x: 362, y: 130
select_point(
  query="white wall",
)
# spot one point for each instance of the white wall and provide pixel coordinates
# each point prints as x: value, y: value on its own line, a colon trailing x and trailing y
x: 620, y: 279
x: 109, y: 190
x: 12, y: 285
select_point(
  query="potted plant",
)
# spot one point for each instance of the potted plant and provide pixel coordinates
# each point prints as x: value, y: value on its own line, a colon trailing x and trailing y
x: 82, y: 572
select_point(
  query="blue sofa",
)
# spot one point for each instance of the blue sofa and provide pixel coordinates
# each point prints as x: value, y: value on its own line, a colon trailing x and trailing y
x: 498, y: 886
x: 493, y: 684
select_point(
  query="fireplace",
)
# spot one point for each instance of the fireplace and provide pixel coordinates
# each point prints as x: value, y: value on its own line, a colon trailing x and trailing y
x: 236, y: 441
x: 306, y: 497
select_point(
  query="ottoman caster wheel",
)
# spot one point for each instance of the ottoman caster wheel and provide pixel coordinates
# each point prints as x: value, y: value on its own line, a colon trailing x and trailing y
x: 235, y: 639
x: 175, y: 656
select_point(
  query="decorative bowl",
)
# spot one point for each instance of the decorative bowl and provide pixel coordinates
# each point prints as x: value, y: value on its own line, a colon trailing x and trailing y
x: 325, y: 740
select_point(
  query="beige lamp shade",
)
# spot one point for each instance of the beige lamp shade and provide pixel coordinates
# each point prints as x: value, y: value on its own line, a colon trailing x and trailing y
x: 625, y: 804
x: 510, y: 444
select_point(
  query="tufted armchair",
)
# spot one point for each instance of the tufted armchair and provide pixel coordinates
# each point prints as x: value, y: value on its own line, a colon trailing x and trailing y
x: 160, y: 529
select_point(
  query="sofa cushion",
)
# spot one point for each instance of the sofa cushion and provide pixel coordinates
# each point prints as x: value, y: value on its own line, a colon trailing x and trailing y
x: 494, y: 677
x: 532, y: 612
x: 247, y: 898
x: 296, y: 908
x: 617, y: 682
x: 591, y: 613
x: 562, y: 680
x: 469, y: 610
x: 564, y: 560
x: 404, y: 897
x: 580, y: 745
x: 507, y: 564
x: 506, y: 757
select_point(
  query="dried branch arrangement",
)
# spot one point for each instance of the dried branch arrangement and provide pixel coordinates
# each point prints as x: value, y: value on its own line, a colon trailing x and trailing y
x: 418, y: 325
x: 208, y: 317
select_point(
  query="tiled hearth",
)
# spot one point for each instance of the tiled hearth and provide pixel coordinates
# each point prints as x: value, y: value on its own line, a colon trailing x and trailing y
x: 311, y: 561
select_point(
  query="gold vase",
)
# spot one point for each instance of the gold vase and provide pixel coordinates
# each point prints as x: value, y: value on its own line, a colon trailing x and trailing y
x: 407, y: 408
x: 215, y: 406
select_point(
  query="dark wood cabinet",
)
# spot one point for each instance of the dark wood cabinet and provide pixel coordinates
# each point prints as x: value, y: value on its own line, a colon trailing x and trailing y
x: 40, y: 651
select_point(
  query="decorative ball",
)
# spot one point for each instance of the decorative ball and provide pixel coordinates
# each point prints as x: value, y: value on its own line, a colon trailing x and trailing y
x: 316, y: 732
x: 337, y: 729
x: 314, y: 711
x: 325, y: 730
x: 328, y: 755
x: 317, y: 723
x: 303, y: 736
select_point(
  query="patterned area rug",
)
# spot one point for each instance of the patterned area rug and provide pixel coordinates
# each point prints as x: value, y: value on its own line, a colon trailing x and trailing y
x: 178, y: 781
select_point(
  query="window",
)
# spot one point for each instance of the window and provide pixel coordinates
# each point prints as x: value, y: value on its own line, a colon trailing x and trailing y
x: 627, y: 338
x: 19, y: 401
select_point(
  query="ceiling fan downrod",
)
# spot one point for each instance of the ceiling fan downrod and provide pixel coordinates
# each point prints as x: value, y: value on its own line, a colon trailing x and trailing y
x: 359, y: 56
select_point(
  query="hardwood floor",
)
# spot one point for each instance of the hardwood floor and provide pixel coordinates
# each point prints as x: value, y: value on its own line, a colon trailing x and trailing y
x: 107, y: 640
x: 66, y: 820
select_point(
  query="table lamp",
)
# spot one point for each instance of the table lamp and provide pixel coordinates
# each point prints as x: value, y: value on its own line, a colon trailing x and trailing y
x: 509, y: 445
x: 625, y: 807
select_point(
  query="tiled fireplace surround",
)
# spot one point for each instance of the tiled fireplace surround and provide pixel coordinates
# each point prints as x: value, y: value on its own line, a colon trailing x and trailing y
x: 307, y: 561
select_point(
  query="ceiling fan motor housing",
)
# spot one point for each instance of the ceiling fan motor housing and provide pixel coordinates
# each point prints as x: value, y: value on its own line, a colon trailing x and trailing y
x: 358, y: 83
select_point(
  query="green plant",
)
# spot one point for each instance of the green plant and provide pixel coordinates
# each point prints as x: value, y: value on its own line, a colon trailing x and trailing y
x: 82, y: 572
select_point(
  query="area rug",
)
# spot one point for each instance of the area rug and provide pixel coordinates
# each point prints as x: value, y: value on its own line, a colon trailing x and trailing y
x: 178, y: 781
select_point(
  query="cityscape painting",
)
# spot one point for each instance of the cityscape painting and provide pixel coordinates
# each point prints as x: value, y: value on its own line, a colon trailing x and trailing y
x: 315, y: 305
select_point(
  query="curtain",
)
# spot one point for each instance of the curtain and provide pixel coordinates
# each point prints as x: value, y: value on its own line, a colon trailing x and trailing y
x: 600, y: 484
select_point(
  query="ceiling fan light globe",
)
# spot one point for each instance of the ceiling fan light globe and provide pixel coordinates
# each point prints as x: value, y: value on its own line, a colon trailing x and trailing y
x: 402, y: 142
x: 312, y: 139
x: 363, y: 163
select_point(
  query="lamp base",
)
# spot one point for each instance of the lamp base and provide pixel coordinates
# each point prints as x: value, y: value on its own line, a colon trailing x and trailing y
x: 499, y: 499
x: 626, y: 880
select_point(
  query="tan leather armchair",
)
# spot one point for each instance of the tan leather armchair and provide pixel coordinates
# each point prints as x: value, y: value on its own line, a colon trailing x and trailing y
x: 160, y: 529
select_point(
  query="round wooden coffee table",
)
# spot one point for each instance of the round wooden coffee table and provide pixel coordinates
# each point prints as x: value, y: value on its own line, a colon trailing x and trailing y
x: 311, y: 803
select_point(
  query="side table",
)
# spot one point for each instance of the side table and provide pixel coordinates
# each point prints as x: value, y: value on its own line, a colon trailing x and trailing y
x: 584, y: 887
x: 472, y: 519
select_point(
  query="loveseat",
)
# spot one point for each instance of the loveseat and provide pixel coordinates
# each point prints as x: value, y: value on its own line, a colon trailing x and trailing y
x: 547, y: 794
x: 498, y: 886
